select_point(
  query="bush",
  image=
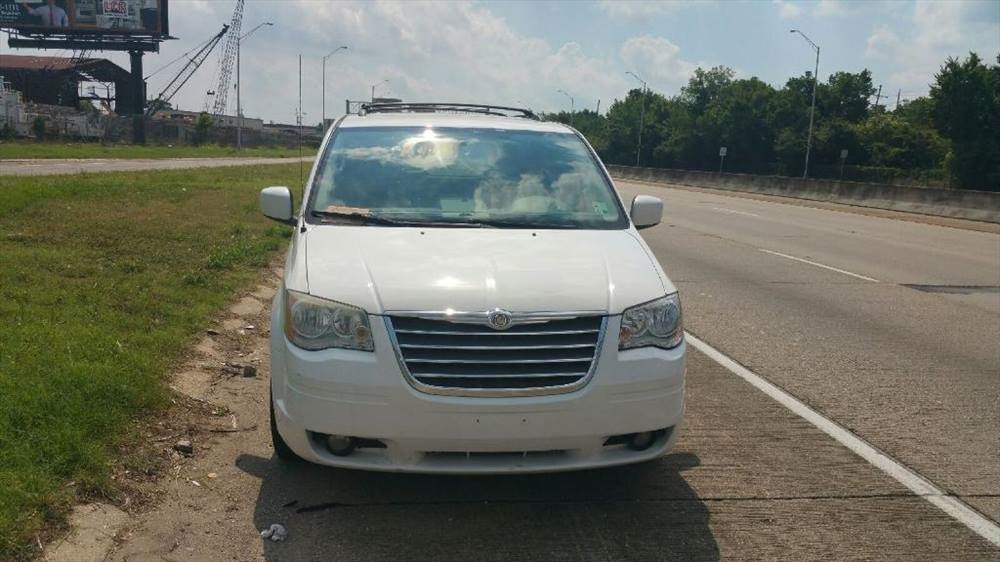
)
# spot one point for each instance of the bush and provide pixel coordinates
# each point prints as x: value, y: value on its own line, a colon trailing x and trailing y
x: 38, y: 128
x: 202, y: 126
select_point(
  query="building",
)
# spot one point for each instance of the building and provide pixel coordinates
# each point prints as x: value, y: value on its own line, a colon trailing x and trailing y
x: 58, y: 80
x: 188, y: 117
x: 12, y: 109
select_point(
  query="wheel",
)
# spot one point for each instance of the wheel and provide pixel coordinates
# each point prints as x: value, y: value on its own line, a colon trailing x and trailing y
x: 281, y: 448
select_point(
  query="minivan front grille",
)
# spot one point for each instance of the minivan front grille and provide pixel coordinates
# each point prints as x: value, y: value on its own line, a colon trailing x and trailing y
x: 536, y: 355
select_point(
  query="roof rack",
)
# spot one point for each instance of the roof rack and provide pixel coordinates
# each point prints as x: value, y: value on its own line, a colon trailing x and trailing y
x: 430, y: 107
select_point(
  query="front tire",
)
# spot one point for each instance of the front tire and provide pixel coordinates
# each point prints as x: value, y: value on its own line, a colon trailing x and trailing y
x: 281, y: 449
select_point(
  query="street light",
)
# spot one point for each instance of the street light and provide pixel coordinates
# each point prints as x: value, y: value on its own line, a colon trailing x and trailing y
x: 239, y: 106
x: 333, y: 52
x: 572, y: 106
x: 375, y: 85
x: 812, y: 111
x: 642, y: 115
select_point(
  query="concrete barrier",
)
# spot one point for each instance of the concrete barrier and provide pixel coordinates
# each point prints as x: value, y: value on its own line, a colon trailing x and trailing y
x: 957, y: 203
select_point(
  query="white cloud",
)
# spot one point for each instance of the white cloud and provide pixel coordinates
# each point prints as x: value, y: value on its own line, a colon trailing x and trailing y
x: 937, y: 30
x: 787, y: 9
x: 658, y: 61
x: 830, y: 8
x: 636, y: 9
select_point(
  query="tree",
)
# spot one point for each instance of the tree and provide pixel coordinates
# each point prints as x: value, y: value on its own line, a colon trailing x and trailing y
x: 202, y: 127
x: 891, y: 141
x: 591, y: 125
x: 966, y: 97
x: 705, y: 85
x: 737, y: 118
x: 846, y: 95
x: 38, y: 127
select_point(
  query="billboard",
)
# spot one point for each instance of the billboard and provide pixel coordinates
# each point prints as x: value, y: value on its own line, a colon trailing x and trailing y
x: 96, y: 17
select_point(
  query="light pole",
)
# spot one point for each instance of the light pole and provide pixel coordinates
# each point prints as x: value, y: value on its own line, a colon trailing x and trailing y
x: 239, y: 83
x: 812, y: 110
x: 572, y: 106
x: 333, y: 52
x: 375, y: 85
x: 642, y: 115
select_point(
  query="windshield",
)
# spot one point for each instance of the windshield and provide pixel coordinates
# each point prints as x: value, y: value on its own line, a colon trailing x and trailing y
x: 461, y: 176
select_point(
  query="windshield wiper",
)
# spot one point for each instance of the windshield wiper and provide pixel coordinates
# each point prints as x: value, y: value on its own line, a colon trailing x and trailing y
x: 367, y: 219
x: 515, y: 223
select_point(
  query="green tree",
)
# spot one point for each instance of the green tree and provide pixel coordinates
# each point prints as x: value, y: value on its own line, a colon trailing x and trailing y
x: 623, y: 127
x: 38, y: 127
x: 737, y: 118
x: 591, y: 125
x: 891, y: 141
x: 202, y: 127
x: 705, y: 85
x: 966, y: 97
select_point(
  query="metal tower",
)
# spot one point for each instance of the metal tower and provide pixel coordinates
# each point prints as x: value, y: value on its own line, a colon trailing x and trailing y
x: 226, y: 59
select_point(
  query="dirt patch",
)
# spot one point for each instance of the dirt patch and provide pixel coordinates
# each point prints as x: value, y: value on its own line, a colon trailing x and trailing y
x: 171, y: 503
x: 204, y: 507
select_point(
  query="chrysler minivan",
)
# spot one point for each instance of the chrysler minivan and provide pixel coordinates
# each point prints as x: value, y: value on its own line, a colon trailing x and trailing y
x: 466, y: 292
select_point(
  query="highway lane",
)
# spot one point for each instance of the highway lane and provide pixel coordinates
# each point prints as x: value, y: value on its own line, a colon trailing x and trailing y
x: 826, y: 313
x: 47, y: 167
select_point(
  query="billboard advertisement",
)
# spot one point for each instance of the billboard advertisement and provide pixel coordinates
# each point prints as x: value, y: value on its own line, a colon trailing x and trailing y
x: 101, y: 17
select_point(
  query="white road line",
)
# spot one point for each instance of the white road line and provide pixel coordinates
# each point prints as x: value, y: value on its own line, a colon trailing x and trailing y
x: 916, y: 483
x: 734, y: 211
x: 817, y: 264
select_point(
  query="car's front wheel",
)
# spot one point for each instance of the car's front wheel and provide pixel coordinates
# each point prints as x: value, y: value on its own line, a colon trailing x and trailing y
x: 281, y: 448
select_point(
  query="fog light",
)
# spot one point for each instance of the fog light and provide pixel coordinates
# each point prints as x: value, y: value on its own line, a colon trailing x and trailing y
x: 642, y: 440
x: 340, y: 445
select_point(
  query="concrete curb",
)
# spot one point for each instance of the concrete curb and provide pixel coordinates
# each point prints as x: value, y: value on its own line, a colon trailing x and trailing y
x: 956, y: 203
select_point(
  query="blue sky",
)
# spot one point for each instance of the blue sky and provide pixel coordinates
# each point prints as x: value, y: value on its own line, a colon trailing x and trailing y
x: 523, y: 52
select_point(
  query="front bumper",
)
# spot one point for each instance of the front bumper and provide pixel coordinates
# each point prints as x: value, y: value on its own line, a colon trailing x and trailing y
x: 364, y: 394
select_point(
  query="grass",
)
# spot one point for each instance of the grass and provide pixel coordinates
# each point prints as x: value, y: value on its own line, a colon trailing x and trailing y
x: 104, y: 280
x: 32, y: 149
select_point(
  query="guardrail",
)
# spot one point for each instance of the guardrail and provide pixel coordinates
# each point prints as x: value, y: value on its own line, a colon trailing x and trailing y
x: 957, y: 203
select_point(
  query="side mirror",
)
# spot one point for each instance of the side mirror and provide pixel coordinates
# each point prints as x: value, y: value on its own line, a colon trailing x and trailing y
x: 646, y: 211
x: 276, y: 204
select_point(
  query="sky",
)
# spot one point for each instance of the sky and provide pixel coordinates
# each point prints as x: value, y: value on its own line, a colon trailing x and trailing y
x: 522, y: 53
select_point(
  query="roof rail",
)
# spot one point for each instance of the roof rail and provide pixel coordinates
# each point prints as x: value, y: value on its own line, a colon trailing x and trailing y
x: 432, y: 107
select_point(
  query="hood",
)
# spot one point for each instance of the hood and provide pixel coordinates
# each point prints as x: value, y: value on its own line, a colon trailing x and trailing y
x: 465, y: 269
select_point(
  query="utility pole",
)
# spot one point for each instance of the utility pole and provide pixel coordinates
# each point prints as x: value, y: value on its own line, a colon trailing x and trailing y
x: 899, y: 92
x: 812, y: 110
x: 642, y: 116
x: 598, y: 107
x: 298, y: 120
x: 878, y: 96
x: 239, y: 84
x: 572, y: 106
x: 333, y: 52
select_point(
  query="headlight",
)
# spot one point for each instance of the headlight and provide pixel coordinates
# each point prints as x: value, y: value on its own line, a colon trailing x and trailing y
x: 652, y: 324
x: 312, y: 323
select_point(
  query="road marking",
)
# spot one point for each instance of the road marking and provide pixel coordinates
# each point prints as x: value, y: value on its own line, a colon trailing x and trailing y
x: 916, y: 483
x: 817, y: 264
x: 734, y: 212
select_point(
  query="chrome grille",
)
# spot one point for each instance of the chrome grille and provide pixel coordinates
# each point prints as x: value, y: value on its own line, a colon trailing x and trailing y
x: 536, y: 355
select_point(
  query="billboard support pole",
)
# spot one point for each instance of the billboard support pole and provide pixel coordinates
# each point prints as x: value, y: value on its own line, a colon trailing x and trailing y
x: 138, y: 98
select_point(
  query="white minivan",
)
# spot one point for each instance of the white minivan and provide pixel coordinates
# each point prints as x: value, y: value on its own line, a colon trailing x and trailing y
x: 465, y: 292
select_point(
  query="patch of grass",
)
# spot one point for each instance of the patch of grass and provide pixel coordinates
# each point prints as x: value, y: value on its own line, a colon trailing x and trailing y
x: 32, y: 149
x: 104, y: 279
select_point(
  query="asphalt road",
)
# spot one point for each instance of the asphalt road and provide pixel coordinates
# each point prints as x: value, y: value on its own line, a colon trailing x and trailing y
x: 914, y: 371
x: 47, y: 167
x: 901, y: 345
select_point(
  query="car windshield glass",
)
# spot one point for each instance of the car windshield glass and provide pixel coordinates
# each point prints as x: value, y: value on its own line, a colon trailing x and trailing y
x: 492, y: 177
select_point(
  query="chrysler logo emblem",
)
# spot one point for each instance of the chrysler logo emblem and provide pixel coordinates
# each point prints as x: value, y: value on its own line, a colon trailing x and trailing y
x: 499, y: 319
